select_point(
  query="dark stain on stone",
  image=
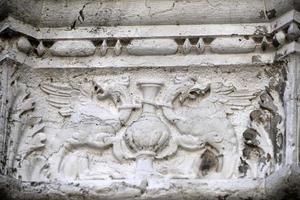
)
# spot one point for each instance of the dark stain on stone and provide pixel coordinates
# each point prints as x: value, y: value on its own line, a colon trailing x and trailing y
x: 256, y: 59
x: 266, y: 102
x: 209, y: 162
x: 271, y: 13
x: 73, y: 25
x: 244, y: 167
x: 261, y: 30
x: 264, y: 46
x: 80, y: 18
x: 250, y: 134
x: 208, y: 40
x: 256, y: 115
x: 261, y: 14
x: 81, y: 15
x: 223, y: 197
x: 48, y: 43
x: 257, y: 40
x: 9, y: 33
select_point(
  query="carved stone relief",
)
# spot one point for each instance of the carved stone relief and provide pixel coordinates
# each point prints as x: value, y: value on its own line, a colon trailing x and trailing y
x: 212, y: 123
x: 265, y: 135
x: 149, y: 100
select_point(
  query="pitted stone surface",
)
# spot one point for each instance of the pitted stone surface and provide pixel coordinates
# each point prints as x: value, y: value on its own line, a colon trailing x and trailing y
x: 73, y: 48
x: 152, y: 47
x: 195, y: 118
x: 149, y: 100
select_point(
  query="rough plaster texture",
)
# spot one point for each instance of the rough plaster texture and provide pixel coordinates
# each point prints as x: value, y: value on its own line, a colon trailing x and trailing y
x: 145, y: 12
x: 192, y: 100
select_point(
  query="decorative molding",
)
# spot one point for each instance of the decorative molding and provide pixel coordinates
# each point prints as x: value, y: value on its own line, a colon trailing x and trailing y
x: 124, y: 32
x: 156, y: 31
x: 174, y: 61
x: 151, y: 111
x: 188, y: 45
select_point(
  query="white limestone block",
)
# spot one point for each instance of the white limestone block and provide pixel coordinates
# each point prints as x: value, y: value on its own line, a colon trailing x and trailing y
x: 141, y: 47
x: 72, y: 48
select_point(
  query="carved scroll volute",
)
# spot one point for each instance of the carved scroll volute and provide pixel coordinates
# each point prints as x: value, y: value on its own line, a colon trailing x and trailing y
x: 147, y: 135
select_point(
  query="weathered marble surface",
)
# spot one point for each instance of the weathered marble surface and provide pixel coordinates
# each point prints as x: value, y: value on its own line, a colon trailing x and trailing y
x: 159, y: 106
x: 96, y: 125
x: 134, y: 12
